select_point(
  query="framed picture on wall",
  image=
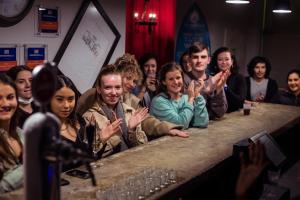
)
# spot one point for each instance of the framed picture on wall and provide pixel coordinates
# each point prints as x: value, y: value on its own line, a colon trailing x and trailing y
x: 9, y: 56
x: 88, y: 45
x: 47, y: 22
x: 35, y: 54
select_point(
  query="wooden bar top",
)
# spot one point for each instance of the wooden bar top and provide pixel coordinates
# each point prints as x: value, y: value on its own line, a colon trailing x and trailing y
x: 190, y: 157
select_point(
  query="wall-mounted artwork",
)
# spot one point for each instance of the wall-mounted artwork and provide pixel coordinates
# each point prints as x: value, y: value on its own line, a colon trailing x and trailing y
x: 35, y: 54
x: 193, y: 29
x: 47, y: 21
x: 89, y: 44
x: 9, y: 56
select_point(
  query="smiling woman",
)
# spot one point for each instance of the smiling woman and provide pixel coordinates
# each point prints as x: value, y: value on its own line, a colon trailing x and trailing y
x: 11, y: 171
x: 22, y: 77
x: 63, y: 105
x: 173, y: 106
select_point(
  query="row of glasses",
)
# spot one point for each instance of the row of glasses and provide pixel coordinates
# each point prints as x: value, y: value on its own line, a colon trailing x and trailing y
x: 140, y: 185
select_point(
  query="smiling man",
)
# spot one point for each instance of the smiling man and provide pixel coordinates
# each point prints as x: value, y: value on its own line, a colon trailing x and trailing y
x: 213, y: 91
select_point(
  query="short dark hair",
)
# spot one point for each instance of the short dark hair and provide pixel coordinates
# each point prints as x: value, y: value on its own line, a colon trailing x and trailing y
x: 143, y: 59
x: 197, y: 47
x: 214, y: 60
x: 14, y: 71
x: 186, y: 53
x: 106, y: 70
x: 168, y: 67
x: 259, y: 59
x: 293, y: 71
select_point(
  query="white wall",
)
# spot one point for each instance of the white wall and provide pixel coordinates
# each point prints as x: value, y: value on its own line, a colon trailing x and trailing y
x: 23, y: 32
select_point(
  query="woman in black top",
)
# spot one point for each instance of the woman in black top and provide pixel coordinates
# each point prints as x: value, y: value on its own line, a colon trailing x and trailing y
x: 260, y: 87
x: 63, y: 105
x: 22, y: 77
x: 291, y: 96
x: 235, y: 88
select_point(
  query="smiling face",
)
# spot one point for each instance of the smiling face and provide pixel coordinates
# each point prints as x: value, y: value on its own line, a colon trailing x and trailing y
x: 200, y: 60
x: 294, y: 83
x: 63, y: 102
x: 8, y: 102
x: 260, y: 70
x: 23, y: 83
x: 150, y: 66
x: 173, y: 83
x: 224, y: 61
x: 110, y: 89
x: 129, y: 81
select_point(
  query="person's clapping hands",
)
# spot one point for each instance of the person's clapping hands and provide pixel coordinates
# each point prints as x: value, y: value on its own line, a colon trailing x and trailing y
x: 137, y: 117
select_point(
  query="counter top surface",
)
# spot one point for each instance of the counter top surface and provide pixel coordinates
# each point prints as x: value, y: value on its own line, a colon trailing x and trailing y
x: 190, y: 157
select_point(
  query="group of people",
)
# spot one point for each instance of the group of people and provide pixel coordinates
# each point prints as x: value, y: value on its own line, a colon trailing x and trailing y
x: 133, y: 102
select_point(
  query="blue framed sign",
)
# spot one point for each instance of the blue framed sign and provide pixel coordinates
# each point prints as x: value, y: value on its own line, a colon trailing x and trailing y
x: 193, y: 29
x: 35, y: 55
x: 9, y: 56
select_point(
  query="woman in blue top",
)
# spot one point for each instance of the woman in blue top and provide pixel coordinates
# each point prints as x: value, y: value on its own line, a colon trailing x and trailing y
x: 173, y: 106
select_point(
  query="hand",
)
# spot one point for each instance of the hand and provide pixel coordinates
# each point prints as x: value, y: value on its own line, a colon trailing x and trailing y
x: 199, y: 85
x: 179, y: 133
x: 191, y: 92
x: 219, y: 80
x: 260, y: 98
x: 137, y: 117
x: 151, y: 83
x: 250, y: 170
x: 110, y: 130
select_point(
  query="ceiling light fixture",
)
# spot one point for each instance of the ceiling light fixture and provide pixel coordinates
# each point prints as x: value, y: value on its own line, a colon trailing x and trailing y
x: 282, y: 6
x: 237, y: 1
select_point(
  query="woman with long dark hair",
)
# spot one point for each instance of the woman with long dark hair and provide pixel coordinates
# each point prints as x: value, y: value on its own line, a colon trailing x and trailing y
x: 11, y: 139
x: 235, y: 87
x: 22, y: 77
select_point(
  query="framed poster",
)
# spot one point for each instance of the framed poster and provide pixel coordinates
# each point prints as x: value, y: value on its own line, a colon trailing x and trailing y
x: 35, y: 54
x: 9, y: 56
x: 88, y: 45
x: 47, y: 21
x: 193, y: 29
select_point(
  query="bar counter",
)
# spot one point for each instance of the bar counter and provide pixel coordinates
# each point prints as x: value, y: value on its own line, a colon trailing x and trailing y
x: 190, y: 157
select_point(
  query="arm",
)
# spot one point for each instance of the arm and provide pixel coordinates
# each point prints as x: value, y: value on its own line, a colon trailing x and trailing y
x: 272, y: 90
x: 200, y: 113
x: 12, y: 179
x: 163, y: 109
x: 236, y: 98
x: 217, y: 105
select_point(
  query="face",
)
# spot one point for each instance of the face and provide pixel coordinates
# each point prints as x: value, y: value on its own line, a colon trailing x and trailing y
x: 111, y: 89
x: 185, y: 62
x: 23, y: 83
x: 150, y: 66
x: 173, y: 82
x: 63, y: 102
x: 294, y: 82
x: 129, y: 81
x: 200, y: 61
x: 224, y: 61
x: 8, y: 102
x: 260, y: 70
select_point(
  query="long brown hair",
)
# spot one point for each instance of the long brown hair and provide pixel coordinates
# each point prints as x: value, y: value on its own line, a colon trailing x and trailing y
x: 5, y: 151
